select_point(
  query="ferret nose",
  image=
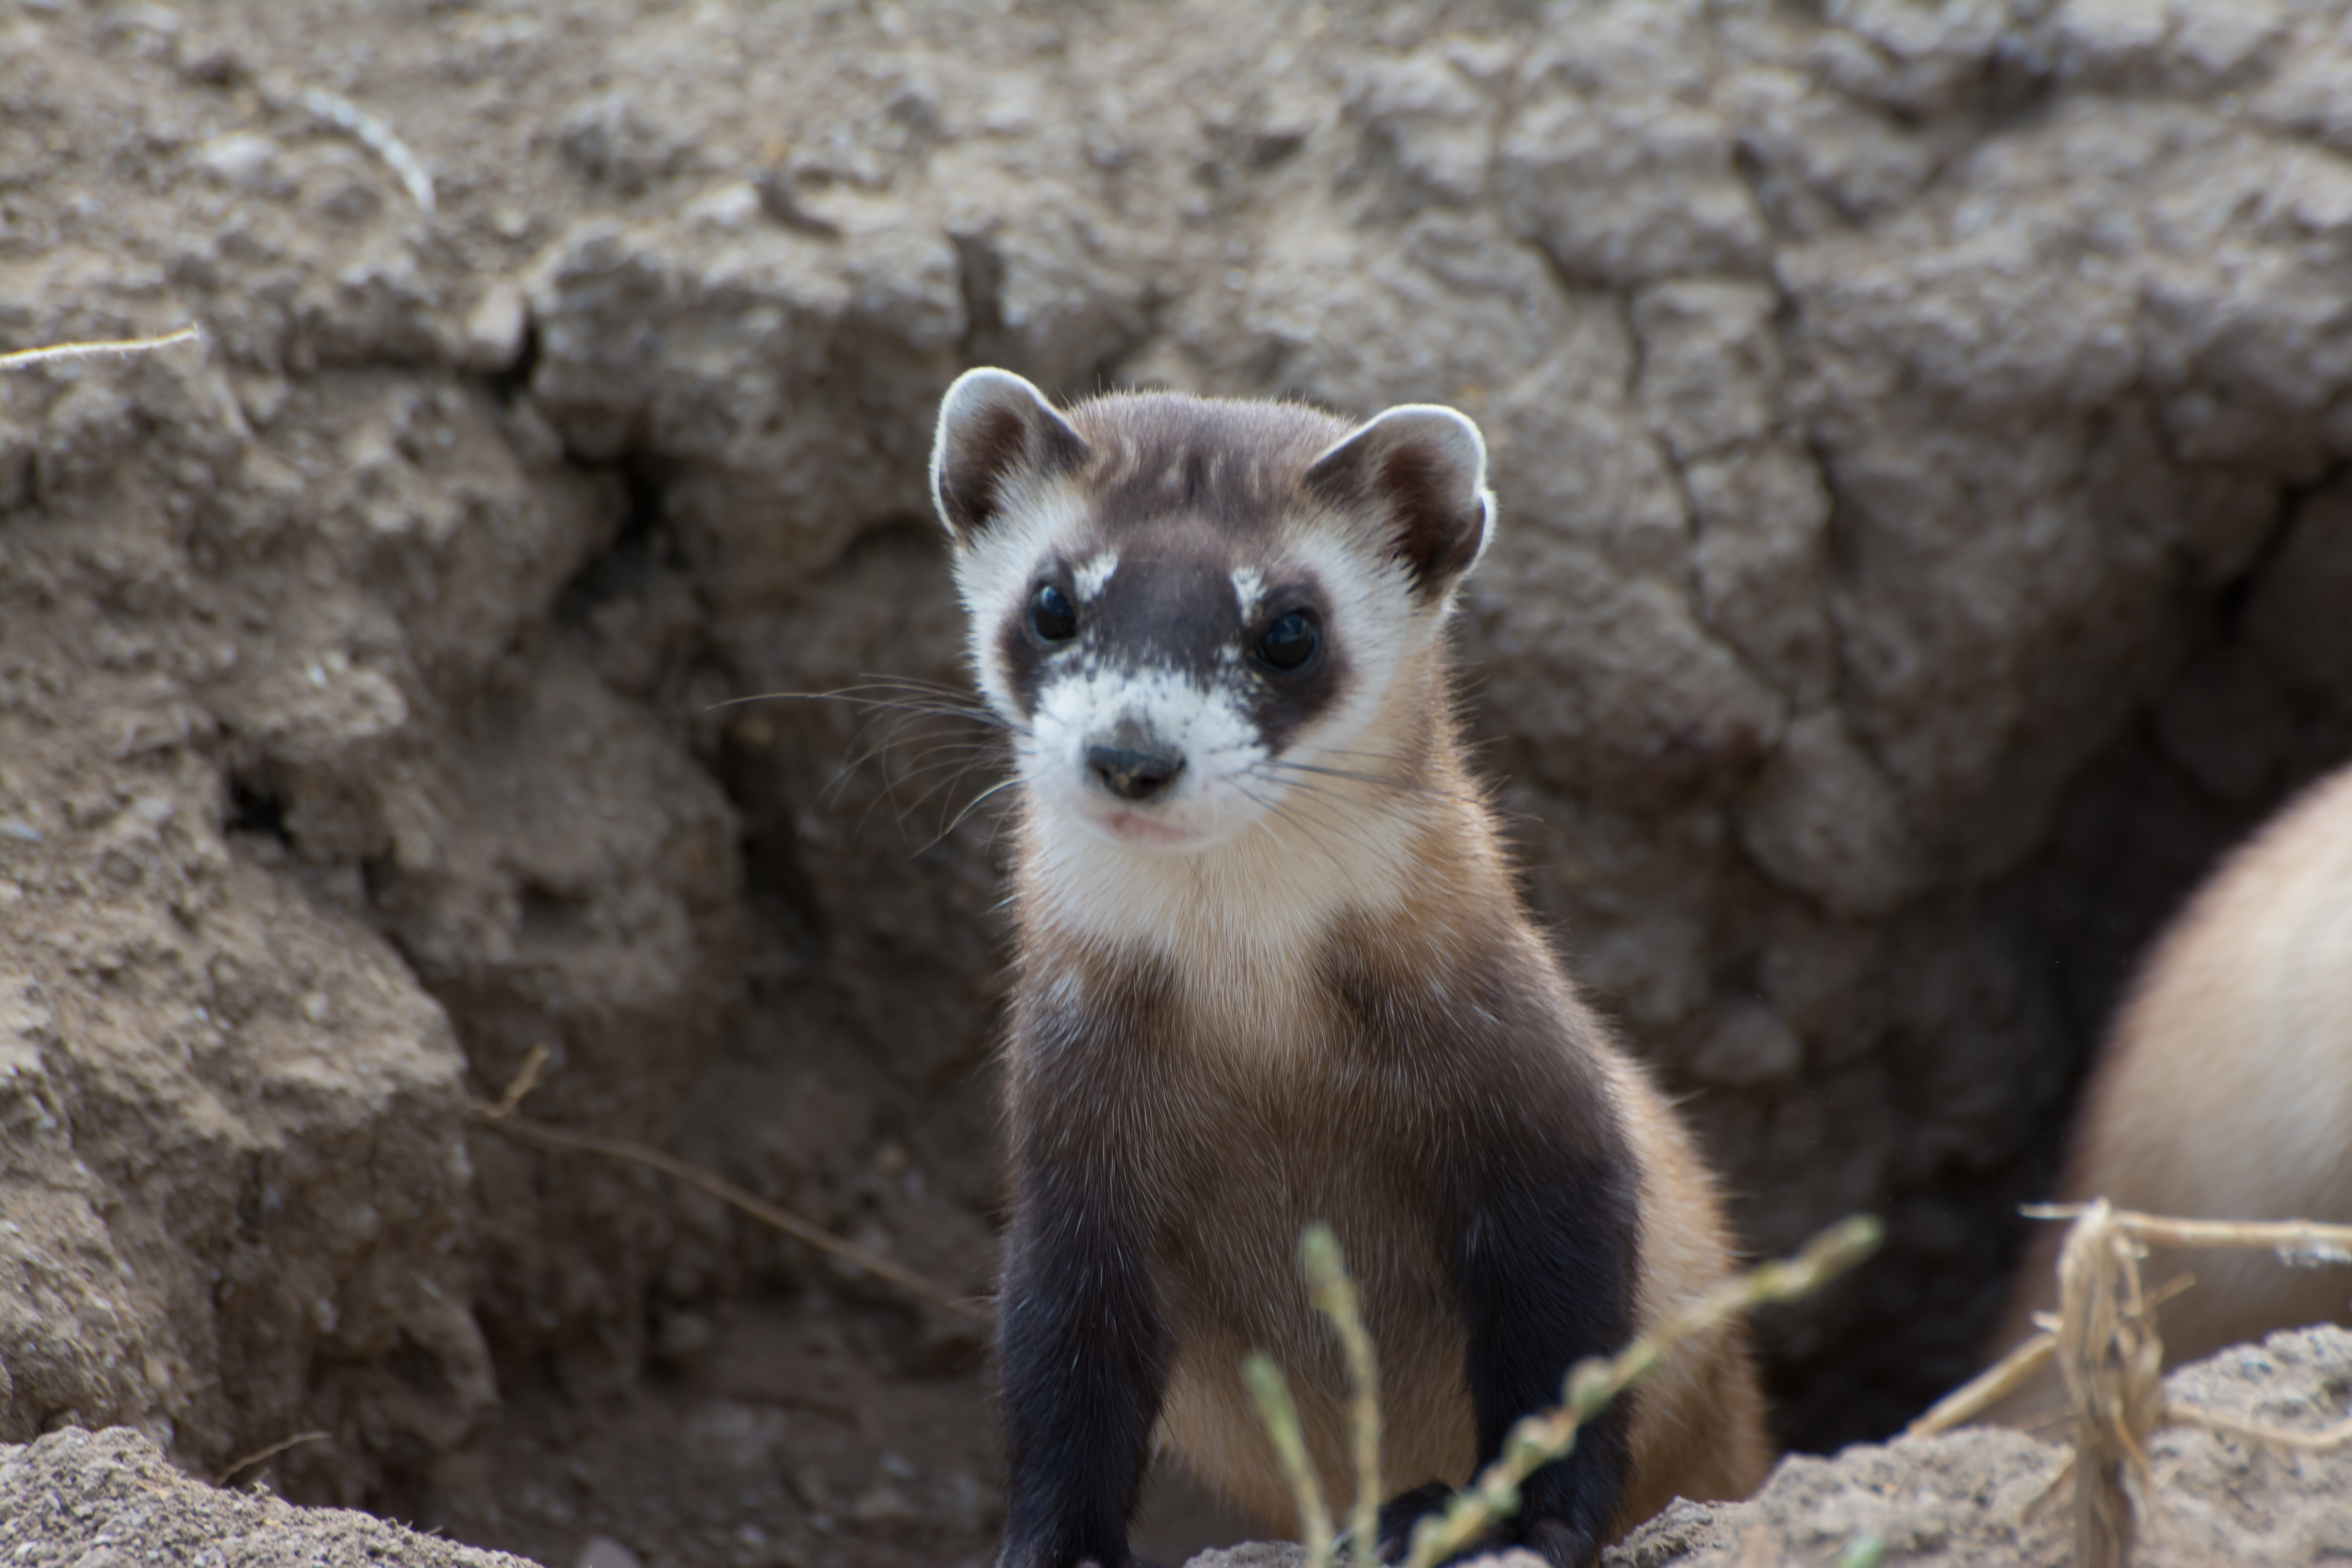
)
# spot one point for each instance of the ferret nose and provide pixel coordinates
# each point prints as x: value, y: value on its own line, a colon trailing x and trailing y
x: 1132, y: 763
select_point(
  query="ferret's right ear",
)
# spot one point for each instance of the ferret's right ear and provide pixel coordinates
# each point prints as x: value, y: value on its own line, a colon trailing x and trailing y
x: 996, y: 432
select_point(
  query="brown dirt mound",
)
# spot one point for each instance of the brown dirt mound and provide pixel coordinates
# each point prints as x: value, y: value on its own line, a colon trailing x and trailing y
x: 1984, y: 1496
x: 111, y: 1500
x: 1987, y: 1496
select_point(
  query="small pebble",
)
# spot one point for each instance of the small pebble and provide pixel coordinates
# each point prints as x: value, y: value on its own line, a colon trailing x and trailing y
x: 496, y: 330
x: 604, y: 1552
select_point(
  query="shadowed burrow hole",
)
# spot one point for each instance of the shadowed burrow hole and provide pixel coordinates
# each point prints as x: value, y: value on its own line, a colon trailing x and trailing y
x: 639, y: 603
x: 862, y: 732
x: 551, y: 917
x: 781, y: 897
x: 256, y: 807
x: 2140, y: 829
x: 918, y: 733
x: 644, y: 548
x: 257, y: 1203
x: 419, y: 1367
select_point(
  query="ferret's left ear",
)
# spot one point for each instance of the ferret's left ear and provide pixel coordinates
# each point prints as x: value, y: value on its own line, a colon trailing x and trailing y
x: 1419, y: 474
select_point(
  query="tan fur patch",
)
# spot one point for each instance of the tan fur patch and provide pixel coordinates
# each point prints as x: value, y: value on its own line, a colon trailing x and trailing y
x: 2225, y: 1091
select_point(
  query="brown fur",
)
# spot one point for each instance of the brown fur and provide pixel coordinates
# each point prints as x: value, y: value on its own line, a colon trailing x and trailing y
x: 1238, y: 1120
x: 1332, y: 1009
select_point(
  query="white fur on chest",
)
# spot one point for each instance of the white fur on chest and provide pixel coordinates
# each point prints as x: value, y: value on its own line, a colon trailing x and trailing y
x: 1242, y: 925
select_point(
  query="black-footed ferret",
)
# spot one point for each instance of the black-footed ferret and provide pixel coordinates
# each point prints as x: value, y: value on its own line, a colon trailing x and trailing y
x: 1270, y: 968
x: 2224, y: 1088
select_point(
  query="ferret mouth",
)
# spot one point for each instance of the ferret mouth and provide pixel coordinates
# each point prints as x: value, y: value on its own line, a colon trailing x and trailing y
x: 1138, y: 829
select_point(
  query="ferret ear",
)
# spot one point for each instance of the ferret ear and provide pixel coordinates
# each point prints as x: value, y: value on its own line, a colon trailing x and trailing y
x: 1421, y: 472
x: 995, y: 430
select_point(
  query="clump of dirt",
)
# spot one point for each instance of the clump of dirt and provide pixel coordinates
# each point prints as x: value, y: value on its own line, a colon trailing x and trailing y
x: 1993, y: 1495
x: 1920, y: 445
x: 110, y: 1500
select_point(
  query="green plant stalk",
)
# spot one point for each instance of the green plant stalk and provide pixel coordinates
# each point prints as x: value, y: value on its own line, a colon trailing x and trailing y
x: 1864, y: 1550
x: 1334, y: 1294
x: 1276, y: 1409
x: 1540, y: 1439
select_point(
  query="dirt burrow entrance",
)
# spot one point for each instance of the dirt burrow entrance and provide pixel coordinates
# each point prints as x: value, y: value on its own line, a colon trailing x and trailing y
x: 1922, y: 540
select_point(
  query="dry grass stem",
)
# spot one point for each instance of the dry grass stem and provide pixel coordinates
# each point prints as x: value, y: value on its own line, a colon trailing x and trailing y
x: 1592, y: 1384
x: 499, y: 1116
x: 2299, y: 1242
x: 2041, y: 1494
x: 1280, y: 1413
x: 2319, y: 1442
x: 728, y: 1193
x: 1986, y: 1389
x: 2111, y: 1358
x: 56, y: 352
x: 1334, y: 1295
x: 260, y: 1454
x: 525, y: 1080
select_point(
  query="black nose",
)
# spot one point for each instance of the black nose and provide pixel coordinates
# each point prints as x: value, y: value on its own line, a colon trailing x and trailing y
x: 1132, y: 771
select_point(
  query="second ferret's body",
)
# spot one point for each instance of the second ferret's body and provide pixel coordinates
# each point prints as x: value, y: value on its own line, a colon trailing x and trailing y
x: 2224, y: 1089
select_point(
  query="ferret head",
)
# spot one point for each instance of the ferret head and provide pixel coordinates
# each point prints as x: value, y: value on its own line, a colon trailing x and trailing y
x: 1184, y: 608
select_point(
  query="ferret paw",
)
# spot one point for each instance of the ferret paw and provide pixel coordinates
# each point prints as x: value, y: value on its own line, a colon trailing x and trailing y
x: 1008, y: 1558
x: 1402, y: 1511
x: 1557, y: 1542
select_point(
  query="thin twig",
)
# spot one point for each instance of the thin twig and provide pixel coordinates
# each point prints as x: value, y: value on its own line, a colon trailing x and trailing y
x: 1279, y: 1412
x: 2296, y: 1241
x: 271, y: 1452
x: 499, y: 1115
x: 2329, y: 1437
x: 377, y: 136
x: 1538, y: 1439
x: 2042, y: 1492
x: 2104, y: 1337
x: 728, y: 1193
x: 525, y: 1080
x: 56, y: 352
x: 1334, y: 1295
x: 1987, y: 1388
x: 2113, y: 1359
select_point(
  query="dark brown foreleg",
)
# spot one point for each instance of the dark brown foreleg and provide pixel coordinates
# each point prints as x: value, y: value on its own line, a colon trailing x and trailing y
x: 1081, y: 1349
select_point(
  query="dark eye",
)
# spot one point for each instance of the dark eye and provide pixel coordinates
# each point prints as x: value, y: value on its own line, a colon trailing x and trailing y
x: 1290, y: 643
x: 1053, y: 615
